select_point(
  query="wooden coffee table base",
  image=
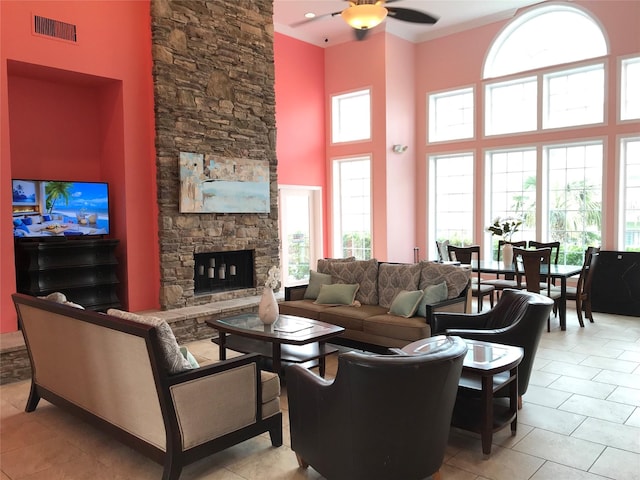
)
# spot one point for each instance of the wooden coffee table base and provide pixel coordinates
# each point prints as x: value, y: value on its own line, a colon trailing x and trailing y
x: 279, y: 354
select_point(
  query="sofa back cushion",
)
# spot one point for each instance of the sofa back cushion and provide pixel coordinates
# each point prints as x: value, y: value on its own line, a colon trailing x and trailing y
x: 362, y: 272
x: 434, y: 273
x: 393, y: 278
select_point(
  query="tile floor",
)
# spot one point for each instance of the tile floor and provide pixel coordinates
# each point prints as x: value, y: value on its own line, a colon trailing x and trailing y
x: 580, y: 420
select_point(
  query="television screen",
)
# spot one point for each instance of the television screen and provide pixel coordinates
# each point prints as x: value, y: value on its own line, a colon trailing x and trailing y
x: 43, y: 208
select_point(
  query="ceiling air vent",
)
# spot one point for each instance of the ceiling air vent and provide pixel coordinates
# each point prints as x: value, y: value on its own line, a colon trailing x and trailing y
x: 54, y: 28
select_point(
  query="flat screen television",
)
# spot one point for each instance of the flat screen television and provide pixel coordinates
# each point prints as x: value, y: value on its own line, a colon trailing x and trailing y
x: 48, y: 209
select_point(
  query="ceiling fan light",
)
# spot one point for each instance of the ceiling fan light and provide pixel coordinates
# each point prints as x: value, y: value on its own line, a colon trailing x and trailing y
x: 364, y: 16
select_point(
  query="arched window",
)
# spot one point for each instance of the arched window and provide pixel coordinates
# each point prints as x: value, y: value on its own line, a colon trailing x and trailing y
x: 550, y: 35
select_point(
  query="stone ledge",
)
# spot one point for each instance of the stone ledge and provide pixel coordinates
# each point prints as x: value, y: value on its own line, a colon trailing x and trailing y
x: 188, y: 324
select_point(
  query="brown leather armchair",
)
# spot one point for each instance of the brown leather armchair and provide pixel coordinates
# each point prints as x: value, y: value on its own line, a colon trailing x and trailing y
x: 518, y: 319
x: 383, y: 417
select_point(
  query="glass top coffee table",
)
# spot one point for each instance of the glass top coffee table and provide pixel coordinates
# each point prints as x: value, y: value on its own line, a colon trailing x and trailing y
x: 290, y: 339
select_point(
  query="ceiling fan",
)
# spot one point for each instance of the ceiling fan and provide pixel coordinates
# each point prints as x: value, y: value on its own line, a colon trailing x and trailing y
x: 363, y: 15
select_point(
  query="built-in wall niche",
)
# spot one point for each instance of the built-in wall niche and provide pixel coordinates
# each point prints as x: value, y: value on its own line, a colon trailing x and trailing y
x: 223, y: 271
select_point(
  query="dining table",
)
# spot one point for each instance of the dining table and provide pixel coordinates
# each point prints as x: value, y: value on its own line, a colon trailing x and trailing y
x: 561, y: 272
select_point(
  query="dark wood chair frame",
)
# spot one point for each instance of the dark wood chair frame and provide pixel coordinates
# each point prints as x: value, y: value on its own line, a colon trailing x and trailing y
x: 465, y: 255
x: 582, y: 291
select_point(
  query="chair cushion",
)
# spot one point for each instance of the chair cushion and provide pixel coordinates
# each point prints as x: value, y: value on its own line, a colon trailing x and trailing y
x: 406, y: 303
x: 173, y: 361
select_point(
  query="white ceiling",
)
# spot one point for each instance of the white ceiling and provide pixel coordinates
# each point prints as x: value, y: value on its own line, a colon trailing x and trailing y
x: 454, y: 16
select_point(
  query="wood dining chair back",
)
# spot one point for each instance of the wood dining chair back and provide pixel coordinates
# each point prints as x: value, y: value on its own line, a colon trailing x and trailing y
x: 555, y: 253
x: 581, y: 293
x: 507, y: 280
x: 533, y: 267
x: 465, y: 255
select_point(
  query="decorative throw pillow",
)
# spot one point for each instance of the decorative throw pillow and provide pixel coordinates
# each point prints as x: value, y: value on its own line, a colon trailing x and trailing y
x: 59, y: 297
x: 432, y: 294
x: 190, y: 358
x: 337, y: 294
x: 172, y: 359
x: 406, y: 303
x: 316, y: 280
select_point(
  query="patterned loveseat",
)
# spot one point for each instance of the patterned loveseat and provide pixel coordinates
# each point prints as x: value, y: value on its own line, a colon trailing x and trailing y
x: 374, y: 301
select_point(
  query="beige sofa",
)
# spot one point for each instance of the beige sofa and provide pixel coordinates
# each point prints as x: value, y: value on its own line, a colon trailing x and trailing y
x: 115, y: 373
x: 379, y: 285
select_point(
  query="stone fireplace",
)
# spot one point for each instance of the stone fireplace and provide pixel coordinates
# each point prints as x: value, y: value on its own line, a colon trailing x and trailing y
x: 223, y: 271
x: 213, y: 76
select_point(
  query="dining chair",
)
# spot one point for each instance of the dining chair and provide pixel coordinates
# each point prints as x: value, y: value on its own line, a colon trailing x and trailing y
x: 478, y: 289
x: 555, y: 254
x: 508, y: 280
x: 530, y: 265
x: 581, y: 293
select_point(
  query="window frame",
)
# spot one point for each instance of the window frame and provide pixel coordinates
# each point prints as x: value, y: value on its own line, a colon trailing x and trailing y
x: 432, y: 112
x: 335, y: 99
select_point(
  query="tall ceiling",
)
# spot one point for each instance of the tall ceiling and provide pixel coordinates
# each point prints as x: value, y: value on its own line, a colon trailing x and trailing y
x: 453, y: 16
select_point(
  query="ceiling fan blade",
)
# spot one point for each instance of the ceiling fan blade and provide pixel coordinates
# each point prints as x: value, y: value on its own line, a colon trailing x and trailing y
x: 408, y: 15
x: 317, y: 17
x: 360, y: 33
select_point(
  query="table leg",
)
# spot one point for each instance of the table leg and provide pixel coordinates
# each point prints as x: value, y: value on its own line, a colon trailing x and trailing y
x: 513, y: 399
x: 223, y: 345
x: 486, y: 431
x: 321, y: 361
x: 276, y: 353
x: 562, y: 303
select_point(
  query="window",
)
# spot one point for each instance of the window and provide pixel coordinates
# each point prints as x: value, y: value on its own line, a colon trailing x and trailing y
x: 511, y: 106
x: 630, y: 93
x: 574, y: 97
x: 630, y: 194
x: 451, y: 199
x: 352, y: 208
x: 512, y: 190
x: 540, y: 38
x: 451, y: 115
x: 574, y: 197
x: 351, y: 116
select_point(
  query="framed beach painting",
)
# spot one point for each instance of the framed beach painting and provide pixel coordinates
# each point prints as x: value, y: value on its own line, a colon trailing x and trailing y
x: 211, y: 184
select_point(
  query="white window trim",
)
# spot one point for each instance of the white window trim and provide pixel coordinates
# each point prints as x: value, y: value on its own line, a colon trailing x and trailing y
x: 368, y: 89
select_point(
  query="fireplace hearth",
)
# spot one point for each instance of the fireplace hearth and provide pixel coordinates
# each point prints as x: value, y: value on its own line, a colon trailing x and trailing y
x: 223, y: 271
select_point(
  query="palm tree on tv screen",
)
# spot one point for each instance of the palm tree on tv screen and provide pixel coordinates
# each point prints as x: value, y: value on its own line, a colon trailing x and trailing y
x: 55, y: 191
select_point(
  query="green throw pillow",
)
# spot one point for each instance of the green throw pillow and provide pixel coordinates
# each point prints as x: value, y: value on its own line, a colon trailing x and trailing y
x: 432, y: 294
x: 406, y: 303
x: 337, y: 294
x: 316, y: 280
x: 189, y: 357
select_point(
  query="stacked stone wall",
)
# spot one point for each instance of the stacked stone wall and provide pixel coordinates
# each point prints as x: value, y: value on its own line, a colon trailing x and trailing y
x: 213, y: 73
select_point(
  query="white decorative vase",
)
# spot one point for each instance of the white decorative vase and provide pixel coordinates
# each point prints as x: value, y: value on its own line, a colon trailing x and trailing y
x: 507, y: 254
x: 268, y: 310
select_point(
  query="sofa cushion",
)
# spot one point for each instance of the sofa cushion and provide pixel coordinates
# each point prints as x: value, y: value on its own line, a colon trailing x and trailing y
x: 393, y: 278
x: 406, y: 303
x: 432, y: 294
x: 338, y: 294
x: 456, y: 277
x: 172, y: 359
x: 362, y: 272
x: 302, y: 308
x: 401, y: 328
x: 316, y: 280
x: 349, y: 317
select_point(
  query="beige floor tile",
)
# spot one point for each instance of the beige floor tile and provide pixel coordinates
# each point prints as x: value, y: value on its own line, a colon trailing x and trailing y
x: 596, y: 408
x: 555, y: 471
x: 449, y: 472
x: 626, y: 344
x: 571, y: 370
x: 582, y: 387
x: 22, y: 430
x: 618, y: 464
x: 542, y: 379
x: 83, y: 467
x: 613, y: 364
x: 36, y: 457
x: 569, y: 451
x: 561, y: 355
x: 634, y: 419
x: 611, y: 434
x: 502, y: 464
x: 630, y: 356
x: 545, y: 396
x: 549, y: 419
x: 615, y: 378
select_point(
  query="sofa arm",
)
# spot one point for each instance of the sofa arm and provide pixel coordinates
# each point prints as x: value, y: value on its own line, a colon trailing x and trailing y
x: 216, y: 399
x: 295, y: 293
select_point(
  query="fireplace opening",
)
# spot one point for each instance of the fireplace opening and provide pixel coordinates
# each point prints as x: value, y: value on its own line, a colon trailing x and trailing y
x: 223, y: 271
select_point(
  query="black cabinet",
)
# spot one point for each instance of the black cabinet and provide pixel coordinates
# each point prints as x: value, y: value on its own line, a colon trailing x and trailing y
x: 616, y: 283
x: 84, y: 270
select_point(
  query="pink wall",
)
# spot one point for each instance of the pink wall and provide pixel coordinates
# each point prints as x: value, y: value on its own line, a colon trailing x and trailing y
x: 106, y: 80
x: 457, y: 61
x: 300, y: 116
